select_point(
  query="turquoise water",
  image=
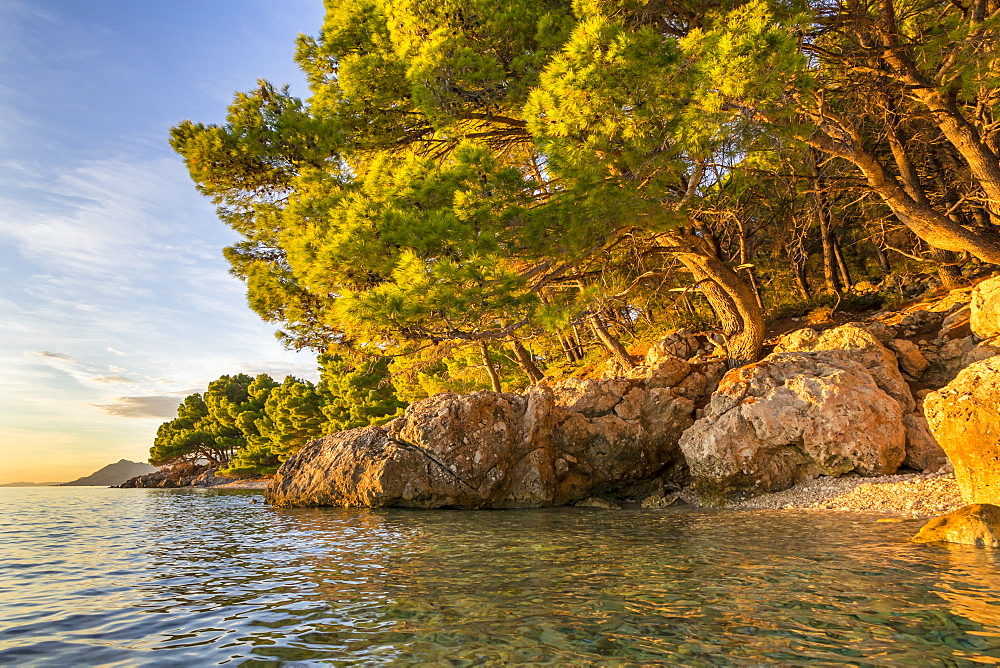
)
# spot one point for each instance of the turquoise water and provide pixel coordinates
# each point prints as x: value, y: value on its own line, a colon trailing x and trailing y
x: 93, y: 576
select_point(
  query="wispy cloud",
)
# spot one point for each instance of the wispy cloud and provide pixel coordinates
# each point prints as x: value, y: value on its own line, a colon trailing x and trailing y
x: 114, y: 380
x: 164, y: 407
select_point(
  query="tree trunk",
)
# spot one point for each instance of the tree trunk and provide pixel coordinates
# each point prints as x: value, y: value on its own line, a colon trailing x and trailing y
x: 745, y: 260
x: 924, y: 221
x: 734, y: 302
x: 882, y: 257
x: 825, y: 218
x: 948, y: 272
x: 844, y: 275
x: 490, y: 369
x: 568, y: 349
x: 524, y: 359
x: 610, y: 342
x: 944, y: 110
x: 577, y: 343
x: 801, y: 280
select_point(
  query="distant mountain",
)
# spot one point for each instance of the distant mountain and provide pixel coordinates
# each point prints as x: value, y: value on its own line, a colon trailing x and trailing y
x: 113, y: 474
x: 30, y: 484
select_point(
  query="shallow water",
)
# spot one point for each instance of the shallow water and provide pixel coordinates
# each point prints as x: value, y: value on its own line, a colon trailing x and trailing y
x: 94, y: 576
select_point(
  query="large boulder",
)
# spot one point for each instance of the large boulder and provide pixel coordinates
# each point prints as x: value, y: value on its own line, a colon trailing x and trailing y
x: 985, y: 316
x: 976, y: 524
x: 854, y: 342
x: 553, y: 446
x: 964, y: 417
x: 793, y: 415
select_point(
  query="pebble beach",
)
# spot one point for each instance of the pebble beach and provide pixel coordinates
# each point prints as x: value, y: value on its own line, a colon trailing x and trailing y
x: 915, y: 494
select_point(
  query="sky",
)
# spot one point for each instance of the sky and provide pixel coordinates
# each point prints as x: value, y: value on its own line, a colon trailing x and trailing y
x: 115, y: 300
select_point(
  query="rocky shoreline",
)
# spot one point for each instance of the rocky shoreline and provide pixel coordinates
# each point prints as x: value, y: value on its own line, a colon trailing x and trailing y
x: 828, y: 419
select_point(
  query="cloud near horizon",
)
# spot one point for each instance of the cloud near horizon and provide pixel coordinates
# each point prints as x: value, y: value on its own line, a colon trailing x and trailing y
x: 164, y: 407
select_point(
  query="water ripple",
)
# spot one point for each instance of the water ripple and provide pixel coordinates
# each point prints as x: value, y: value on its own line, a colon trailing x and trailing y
x: 92, y: 576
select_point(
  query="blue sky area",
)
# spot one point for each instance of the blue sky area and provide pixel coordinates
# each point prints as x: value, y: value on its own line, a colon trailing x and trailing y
x: 115, y: 301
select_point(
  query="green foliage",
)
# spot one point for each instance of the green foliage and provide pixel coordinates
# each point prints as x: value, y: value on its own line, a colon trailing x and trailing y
x: 466, y: 171
x: 188, y: 437
x: 248, y: 426
x: 357, y: 392
x: 453, y: 368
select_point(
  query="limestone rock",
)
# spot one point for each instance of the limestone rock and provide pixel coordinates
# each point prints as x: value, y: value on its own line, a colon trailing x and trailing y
x: 981, y: 352
x: 881, y: 331
x: 976, y: 524
x: 554, y: 446
x: 797, y: 340
x: 910, y: 359
x: 985, y: 317
x: 922, y: 451
x: 852, y: 341
x: 957, y: 325
x: 964, y: 417
x: 788, y: 417
x: 590, y: 397
x: 682, y: 344
x: 953, y: 356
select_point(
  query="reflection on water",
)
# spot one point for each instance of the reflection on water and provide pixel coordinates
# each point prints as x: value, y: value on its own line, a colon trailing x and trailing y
x: 101, y: 576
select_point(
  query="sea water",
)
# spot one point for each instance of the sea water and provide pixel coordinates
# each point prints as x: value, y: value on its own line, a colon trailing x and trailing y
x: 93, y: 576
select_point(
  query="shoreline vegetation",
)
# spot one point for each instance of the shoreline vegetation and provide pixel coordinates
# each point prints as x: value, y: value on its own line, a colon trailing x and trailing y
x: 557, y: 252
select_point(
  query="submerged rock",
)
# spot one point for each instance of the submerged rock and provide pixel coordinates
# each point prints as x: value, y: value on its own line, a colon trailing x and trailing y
x: 553, y: 446
x: 976, y: 524
x: 791, y: 416
x: 598, y: 502
x: 964, y: 417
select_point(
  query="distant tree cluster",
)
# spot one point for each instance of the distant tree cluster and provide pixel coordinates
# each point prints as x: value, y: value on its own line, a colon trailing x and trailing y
x: 488, y: 193
x: 248, y: 426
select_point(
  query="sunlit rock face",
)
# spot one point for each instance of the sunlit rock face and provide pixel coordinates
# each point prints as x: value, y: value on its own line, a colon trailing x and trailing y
x: 985, y: 308
x: 551, y: 446
x: 793, y: 415
x: 863, y: 343
x: 854, y: 342
x: 964, y: 417
x: 975, y: 524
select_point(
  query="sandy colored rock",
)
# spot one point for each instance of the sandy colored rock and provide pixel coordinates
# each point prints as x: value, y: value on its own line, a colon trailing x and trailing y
x: 598, y: 502
x: 953, y: 356
x: 788, y: 417
x: 985, y: 317
x: 976, y: 524
x: 910, y: 359
x: 797, y: 340
x: 854, y: 342
x: 981, y: 352
x: 681, y: 344
x: 964, y: 417
x: 957, y: 325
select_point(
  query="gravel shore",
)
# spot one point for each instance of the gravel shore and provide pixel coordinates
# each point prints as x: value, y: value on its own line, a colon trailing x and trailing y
x: 915, y: 495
